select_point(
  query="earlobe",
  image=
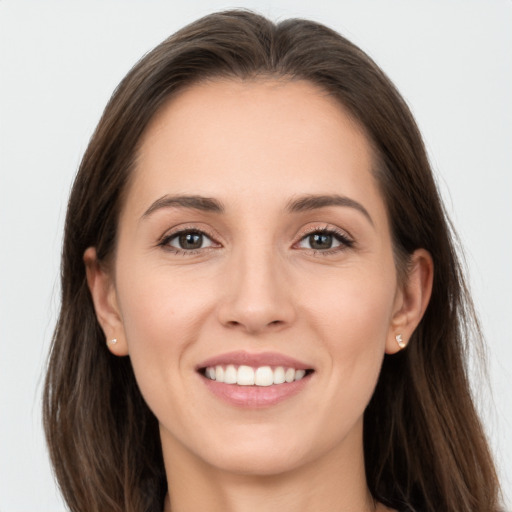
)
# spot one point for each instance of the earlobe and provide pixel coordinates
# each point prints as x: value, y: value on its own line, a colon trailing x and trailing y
x: 413, y: 300
x: 103, y: 293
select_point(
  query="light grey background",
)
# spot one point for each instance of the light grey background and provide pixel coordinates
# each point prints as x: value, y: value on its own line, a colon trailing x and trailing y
x: 59, y: 63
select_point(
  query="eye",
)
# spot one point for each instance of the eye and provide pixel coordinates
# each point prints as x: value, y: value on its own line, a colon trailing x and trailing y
x: 325, y: 240
x: 189, y: 240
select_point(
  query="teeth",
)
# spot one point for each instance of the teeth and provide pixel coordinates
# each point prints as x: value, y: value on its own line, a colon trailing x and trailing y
x: 219, y: 373
x: 244, y: 376
x: 247, y: 376
x: 299, y: 374
x: 264, y: 376
x: 230, y: 375
x: 279, y: 375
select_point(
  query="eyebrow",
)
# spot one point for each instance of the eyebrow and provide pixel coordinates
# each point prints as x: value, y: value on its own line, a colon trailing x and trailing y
x: 205, y: 204
x: 299, y: 204
x: 314, y: 202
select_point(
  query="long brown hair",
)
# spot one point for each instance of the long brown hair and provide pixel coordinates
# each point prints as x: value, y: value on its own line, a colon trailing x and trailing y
x: 424, y: 445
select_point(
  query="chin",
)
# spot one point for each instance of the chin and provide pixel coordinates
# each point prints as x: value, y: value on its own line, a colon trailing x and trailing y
x: 259, y: 451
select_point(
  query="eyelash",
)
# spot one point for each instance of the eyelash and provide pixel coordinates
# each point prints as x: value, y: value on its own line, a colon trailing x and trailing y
x: 340, y: 236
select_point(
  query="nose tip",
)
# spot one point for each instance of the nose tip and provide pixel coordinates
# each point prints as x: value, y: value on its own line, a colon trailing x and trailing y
x: 256, y: 299
x: 253, y: 322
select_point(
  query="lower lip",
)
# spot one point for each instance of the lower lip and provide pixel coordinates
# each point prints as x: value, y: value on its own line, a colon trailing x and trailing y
x: 255, y: 397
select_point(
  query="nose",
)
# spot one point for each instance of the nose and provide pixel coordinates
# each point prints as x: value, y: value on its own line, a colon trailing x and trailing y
x: 256, y: 295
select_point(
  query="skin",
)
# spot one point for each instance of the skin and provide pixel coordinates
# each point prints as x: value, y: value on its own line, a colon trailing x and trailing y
x: 256, y: 284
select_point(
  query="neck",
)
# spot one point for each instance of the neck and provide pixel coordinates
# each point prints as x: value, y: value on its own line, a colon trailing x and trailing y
x: 332, y: 483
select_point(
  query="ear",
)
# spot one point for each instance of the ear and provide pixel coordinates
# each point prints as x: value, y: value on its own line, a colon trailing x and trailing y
x: 104, y: 296
x: 411, y: 301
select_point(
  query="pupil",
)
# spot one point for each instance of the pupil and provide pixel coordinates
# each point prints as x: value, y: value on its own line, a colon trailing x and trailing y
x: 320, y: 241
x: 191, y: 240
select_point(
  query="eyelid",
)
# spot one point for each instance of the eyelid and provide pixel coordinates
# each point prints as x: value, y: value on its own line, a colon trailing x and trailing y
x: 323, y: 227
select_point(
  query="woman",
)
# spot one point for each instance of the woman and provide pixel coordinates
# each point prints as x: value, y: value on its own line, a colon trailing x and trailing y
x: 255, y: 233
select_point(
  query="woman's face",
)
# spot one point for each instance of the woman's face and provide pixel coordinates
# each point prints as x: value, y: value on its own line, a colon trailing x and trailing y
x: 254, y: 242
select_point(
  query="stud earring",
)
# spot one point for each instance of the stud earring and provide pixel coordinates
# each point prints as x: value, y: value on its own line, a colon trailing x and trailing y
x: 112, y: 342
x: 400, y: 341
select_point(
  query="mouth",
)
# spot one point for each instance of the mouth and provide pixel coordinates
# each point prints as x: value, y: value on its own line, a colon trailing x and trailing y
x: 254, y: 380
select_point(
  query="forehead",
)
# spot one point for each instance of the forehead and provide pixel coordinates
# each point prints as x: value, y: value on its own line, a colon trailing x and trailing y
x: 255, y: 108
x: 239, y: 139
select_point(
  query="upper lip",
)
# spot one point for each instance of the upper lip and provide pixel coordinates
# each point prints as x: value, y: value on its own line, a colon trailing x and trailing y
x: 255, y: 360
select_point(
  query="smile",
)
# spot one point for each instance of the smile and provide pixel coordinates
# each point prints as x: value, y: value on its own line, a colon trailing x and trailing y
x: 249, y: 380
x: 247, y: 376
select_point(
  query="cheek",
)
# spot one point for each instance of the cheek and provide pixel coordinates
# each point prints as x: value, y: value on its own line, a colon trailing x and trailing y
x: 157, y: 306
x: 355, y: 304
x: 161, y: 319
x: 352, y: 316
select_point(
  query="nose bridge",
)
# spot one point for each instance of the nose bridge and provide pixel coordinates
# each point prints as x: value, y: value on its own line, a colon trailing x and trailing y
x: 256, y: 294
